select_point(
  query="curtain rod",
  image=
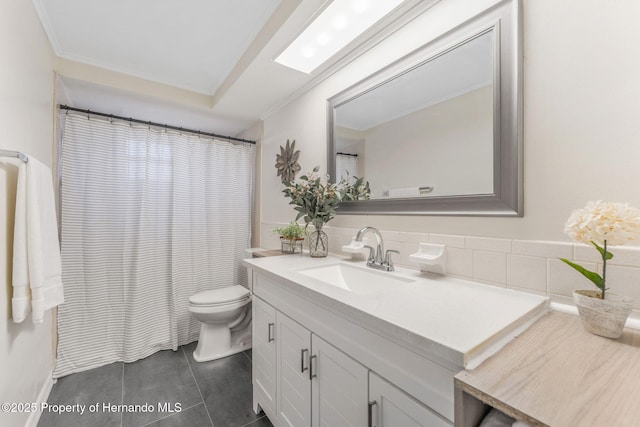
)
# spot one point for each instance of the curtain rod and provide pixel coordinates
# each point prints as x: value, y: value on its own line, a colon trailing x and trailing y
x: 144, y: 122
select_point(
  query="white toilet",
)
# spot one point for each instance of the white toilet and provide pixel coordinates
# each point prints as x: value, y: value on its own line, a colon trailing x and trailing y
x: 225, y: 314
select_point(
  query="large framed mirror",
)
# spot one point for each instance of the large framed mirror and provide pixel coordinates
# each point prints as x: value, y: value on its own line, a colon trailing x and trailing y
x: 439, y: 131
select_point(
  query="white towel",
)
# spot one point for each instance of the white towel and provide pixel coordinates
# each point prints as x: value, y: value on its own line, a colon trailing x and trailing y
x: 37, y: 269
x: 496, y: 418
x: 404, y: 192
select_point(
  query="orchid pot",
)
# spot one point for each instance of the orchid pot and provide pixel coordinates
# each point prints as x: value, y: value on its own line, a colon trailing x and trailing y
x: 601, y: 225
x: 604, y: 317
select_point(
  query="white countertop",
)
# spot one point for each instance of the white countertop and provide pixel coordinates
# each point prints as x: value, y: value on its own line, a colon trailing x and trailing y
x: 454, y: 320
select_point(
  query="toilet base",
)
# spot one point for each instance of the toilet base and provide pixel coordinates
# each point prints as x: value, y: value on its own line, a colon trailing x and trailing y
x: 217, y: 342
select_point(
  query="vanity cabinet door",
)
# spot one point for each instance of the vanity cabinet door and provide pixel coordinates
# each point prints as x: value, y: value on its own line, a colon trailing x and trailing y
x: 391, y: 407
x: 264, y: 357
x: 339, y: 387
x: 294, y: 385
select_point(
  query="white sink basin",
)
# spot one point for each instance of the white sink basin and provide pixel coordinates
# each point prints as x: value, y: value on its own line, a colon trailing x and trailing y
x: 358, y: 280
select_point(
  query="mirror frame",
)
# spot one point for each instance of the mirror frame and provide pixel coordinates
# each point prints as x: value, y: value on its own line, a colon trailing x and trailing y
x: 505, y: 19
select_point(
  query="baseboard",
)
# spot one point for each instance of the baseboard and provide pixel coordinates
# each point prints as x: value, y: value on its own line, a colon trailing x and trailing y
x: 34, y: 417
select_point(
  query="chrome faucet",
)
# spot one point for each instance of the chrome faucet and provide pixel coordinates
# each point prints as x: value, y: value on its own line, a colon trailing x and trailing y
x: 378, y: 258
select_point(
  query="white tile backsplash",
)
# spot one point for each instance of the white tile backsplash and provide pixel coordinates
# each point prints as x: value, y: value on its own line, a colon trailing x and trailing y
x: 448, y: 240
x: 414, y: 237
x: 527, y: 272
x: 387, y: 235
x: 488, y: 244
x: 459, y: 262
x: 627, y: 256
x: 622, y: 255
x: 490, y: 267
x: 624, y: 281
x: 563, y: 280
x: 395, y: 245
x: 529, y: 265
x: 588, y: 253
x: 542, y: 249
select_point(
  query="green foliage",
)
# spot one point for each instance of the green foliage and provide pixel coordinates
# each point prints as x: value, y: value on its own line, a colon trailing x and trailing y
x: 316, y: 199
x: 591, y: 275
x: 291, y: 232
x: 598, y: 280
x: 359, y: 190
x: 606, y: 255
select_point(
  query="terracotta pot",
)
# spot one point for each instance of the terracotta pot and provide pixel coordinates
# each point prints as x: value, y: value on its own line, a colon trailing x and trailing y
x: 604, y: 317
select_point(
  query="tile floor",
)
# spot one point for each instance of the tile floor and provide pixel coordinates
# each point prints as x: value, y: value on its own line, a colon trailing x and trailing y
x: 216, y: 393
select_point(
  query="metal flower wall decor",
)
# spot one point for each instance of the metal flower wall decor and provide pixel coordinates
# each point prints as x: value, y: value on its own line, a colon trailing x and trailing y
x: 287, y: 162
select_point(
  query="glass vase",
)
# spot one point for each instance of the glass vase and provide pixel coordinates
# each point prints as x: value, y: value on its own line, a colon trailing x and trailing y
x: 318, y: 243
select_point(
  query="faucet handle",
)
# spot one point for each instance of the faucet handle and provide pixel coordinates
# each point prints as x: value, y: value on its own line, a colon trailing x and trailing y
x: 387, y: 258
x: 371, y: 253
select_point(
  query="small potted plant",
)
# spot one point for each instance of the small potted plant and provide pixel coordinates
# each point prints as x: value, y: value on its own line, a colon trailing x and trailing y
x: 291, y: 237
x: 602, y: 224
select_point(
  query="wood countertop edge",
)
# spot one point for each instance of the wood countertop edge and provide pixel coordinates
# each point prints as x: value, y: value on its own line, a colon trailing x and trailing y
x: 555, y: 373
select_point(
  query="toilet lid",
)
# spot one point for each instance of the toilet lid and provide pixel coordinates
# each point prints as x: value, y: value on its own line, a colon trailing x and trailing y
x: 220, y: 296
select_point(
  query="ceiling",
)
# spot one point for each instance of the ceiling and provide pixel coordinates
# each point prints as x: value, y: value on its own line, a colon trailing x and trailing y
x: 208, y: 51
x: 211, y: 61
x: 192, y: 45
x: 465, y: 68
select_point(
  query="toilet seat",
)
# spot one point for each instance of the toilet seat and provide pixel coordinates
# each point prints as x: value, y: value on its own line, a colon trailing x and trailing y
x: 221, y: 296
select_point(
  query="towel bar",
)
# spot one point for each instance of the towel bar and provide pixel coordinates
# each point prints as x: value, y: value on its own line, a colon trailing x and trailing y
x: 18, y: 154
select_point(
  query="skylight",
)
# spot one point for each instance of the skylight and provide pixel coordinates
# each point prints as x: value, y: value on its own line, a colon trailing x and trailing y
x: 338, y: 24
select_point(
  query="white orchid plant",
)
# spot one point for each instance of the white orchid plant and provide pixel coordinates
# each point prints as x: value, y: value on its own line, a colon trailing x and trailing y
x: 602, y: 224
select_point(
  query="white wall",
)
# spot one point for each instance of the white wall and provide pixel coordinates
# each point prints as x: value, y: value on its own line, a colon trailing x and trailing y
x: 26, y: 111
x: 581, y: 127
x: 254, y: 133
x: 448, y: 146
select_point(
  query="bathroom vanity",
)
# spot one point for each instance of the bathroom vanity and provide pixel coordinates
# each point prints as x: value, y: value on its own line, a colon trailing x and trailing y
x: 337, y: 343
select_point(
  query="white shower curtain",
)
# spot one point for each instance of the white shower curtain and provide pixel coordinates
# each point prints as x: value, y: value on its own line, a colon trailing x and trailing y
x: 346, y: 165
x: 148, y: 218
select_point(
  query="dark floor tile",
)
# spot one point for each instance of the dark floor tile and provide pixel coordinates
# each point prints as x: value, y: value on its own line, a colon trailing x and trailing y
x: 100, y: 386
x: 163, y: 378
x: 225, y: 385
x: 195, y: 416
x: 261, y: 422
x: 249, y: 354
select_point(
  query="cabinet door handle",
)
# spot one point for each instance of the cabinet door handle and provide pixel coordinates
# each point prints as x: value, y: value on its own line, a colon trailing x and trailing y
x: 312, y: 375
x: 302, y: 358
x: 370, y: 413
x: 270, y: 332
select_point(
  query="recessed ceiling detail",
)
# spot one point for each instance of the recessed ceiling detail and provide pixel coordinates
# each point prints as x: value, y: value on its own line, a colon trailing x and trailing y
x: 336, y: 26
x: 212, y: 58
x: 191, y: 45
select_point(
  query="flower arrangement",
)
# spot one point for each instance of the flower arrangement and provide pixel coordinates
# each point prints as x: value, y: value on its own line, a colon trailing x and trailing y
x: 316, y: 199
x: 601, y: 224
x: 359, y: 190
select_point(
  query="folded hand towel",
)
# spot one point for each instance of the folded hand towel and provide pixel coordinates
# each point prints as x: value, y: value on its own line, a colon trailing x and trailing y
x: 496, y: 418
x: 404, y: 192
x: 37, y: 272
